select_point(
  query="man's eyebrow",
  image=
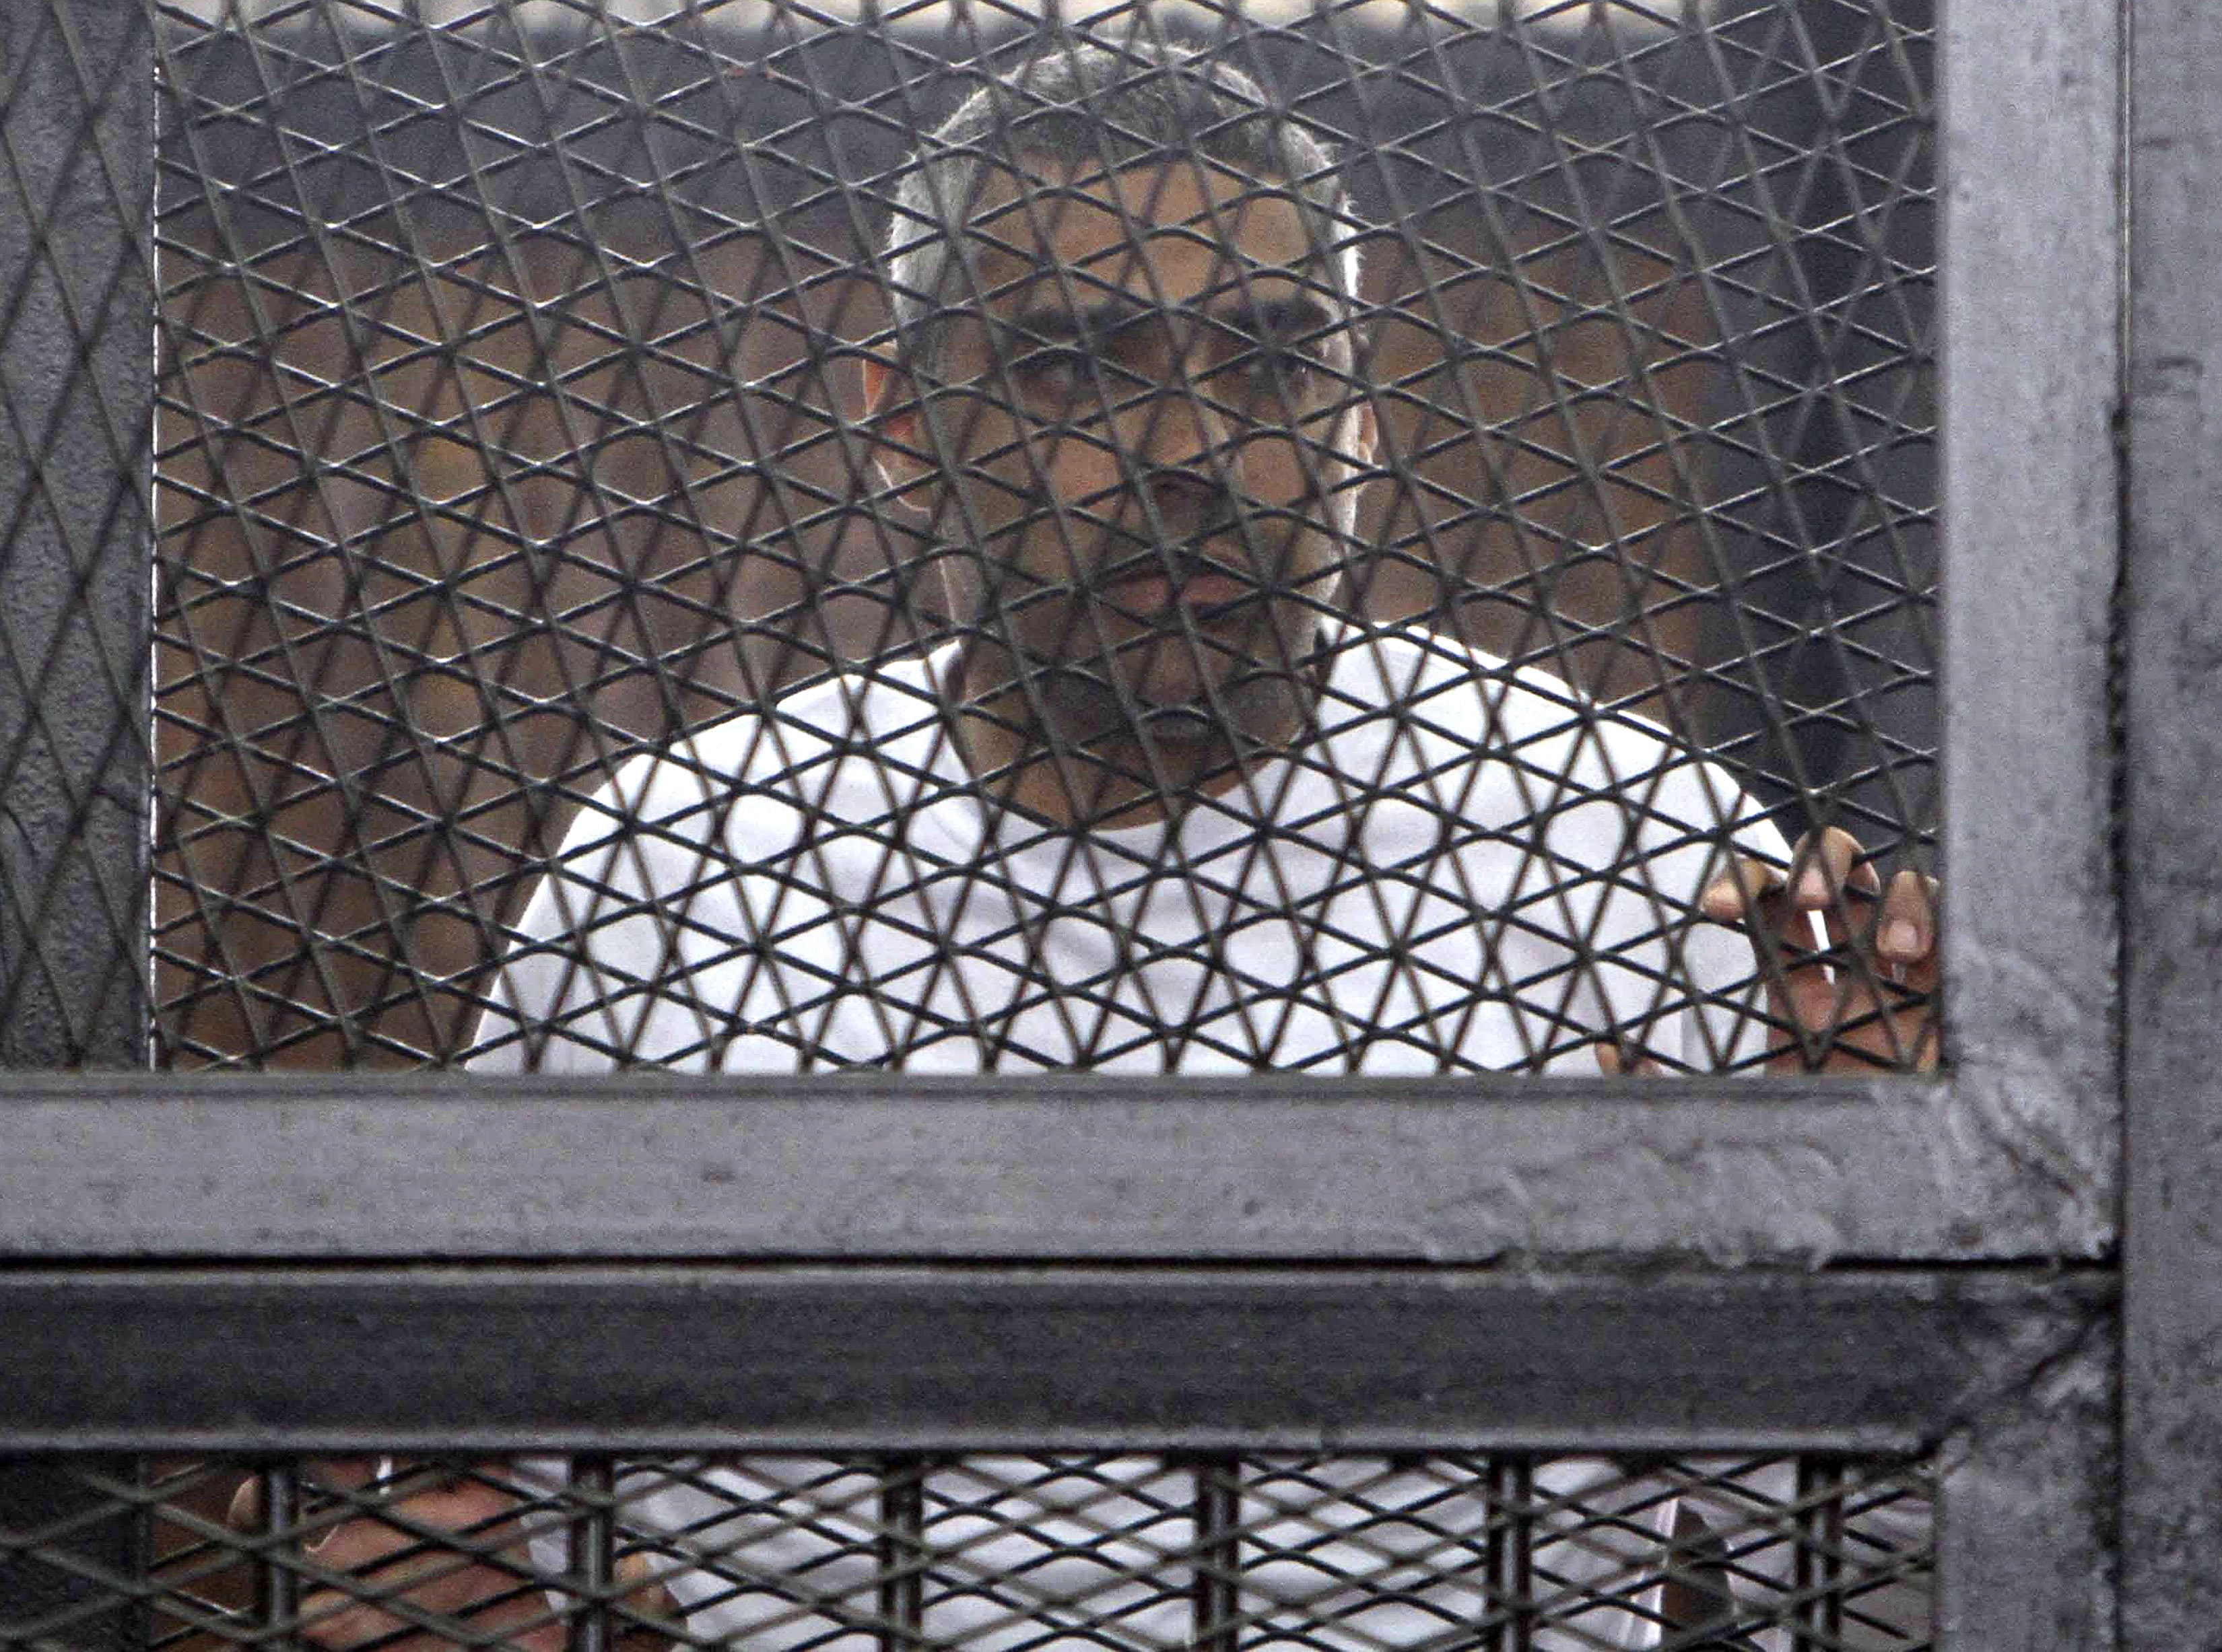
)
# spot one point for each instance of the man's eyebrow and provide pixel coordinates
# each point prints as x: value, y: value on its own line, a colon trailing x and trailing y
x: 1061, y: 322
x: 1298, y: 319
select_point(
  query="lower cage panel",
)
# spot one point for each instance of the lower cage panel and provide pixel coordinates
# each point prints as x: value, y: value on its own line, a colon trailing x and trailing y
x: 987, y: 1552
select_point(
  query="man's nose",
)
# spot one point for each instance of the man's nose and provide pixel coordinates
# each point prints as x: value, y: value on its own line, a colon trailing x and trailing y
x: 1190, y: 501
x: 1182, y: 429
x: 1190, y: 460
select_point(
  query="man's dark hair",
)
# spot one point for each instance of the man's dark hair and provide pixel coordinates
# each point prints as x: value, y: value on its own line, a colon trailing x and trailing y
x: 1139, y: 103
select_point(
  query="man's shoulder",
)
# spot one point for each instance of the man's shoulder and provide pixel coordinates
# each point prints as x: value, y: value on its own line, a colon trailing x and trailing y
x: 743, y: 787
x: 816, y: 738
x: 1481, y: 724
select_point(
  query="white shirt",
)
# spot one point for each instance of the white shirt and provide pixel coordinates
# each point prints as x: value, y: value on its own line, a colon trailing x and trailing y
x: 1465, y: 867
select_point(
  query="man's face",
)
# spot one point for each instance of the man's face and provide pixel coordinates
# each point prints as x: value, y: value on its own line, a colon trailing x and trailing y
x: 1151, y: 441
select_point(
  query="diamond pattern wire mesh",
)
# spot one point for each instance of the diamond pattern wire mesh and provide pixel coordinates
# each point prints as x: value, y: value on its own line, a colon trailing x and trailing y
x: 1005, y: 1552
x: 513, y: 425
x: 76, y: 294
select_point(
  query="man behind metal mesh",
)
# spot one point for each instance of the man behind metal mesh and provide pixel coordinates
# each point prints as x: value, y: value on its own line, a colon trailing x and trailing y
x: 1164, y: 806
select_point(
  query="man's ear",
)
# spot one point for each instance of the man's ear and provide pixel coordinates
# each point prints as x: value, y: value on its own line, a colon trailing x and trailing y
x: 1355, y: 438
x: 892, y: 422
x: 1365, y: 441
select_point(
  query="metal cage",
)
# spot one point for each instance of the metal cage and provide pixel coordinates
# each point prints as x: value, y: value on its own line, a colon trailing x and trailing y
x: 1985, y: 1286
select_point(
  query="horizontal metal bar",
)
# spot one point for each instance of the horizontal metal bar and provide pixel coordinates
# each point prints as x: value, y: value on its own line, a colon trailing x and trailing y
x: 892, y: 1359
x: 1258, y: 1168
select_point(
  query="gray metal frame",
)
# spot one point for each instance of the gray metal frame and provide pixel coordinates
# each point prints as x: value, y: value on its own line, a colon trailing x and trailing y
x: 75, y: 427
x: 2172, y: 836
x: 1882, y: 1265
x: 1165, y: 1358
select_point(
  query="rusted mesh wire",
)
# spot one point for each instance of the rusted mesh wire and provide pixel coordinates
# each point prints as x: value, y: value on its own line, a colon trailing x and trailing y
x: 516, y: 424
x: 1004, y: 1552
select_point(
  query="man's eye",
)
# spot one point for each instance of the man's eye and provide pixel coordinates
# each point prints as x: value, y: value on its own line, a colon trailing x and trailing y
x: 1285, y: 372
x: 1061, y: 374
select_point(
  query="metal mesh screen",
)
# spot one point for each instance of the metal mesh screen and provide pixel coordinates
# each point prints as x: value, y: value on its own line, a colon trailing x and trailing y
x: 1352, y: 1554
x: 998, y: 596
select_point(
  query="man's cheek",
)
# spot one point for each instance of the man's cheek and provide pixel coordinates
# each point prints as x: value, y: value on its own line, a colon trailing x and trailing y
x: 1076, y: 464
x: 1000, y: 505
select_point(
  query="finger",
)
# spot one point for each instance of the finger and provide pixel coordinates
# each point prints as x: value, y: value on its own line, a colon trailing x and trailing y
x: 1825, y: 870
x: 343, y: 1474
x: 1732, y: 897
x: 1821, y: 865
x: 1905, y: 935
x: 1616, y: 1061
x: 1828, y: 876
x: 1753, y: 895
x: 245, y: 1512
x: 641, y: 1577
x: 1792, y: 947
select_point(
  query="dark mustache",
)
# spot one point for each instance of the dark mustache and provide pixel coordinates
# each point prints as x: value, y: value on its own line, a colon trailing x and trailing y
x: 1178, y: 565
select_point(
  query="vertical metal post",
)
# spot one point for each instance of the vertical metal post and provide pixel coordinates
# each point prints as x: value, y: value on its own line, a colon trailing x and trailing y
x: 2171, y: 649
x: 1216, y: 1594
x: 1818, y: 1572
x: 76, y: 373
x: 277, y: 1586
x: 901, y: 1553
x: 2027, y: 1545
x: 592, y: 1561
x: 76, y: 187
x: 1511, y: 1556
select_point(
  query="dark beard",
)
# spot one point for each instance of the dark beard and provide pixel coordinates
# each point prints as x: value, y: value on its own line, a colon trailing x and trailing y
x: 1083, y: 709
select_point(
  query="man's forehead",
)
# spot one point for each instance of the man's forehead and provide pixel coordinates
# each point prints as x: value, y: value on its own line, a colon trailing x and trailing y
x: 1181, y: 224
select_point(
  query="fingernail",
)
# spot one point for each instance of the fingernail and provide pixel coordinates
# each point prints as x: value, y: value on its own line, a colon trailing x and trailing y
x: 1900, y: 937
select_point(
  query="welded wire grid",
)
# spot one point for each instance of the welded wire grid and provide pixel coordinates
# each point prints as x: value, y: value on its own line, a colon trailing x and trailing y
x: 1345, y: 1554
x: 512, y: 426
x: 75, y: 296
